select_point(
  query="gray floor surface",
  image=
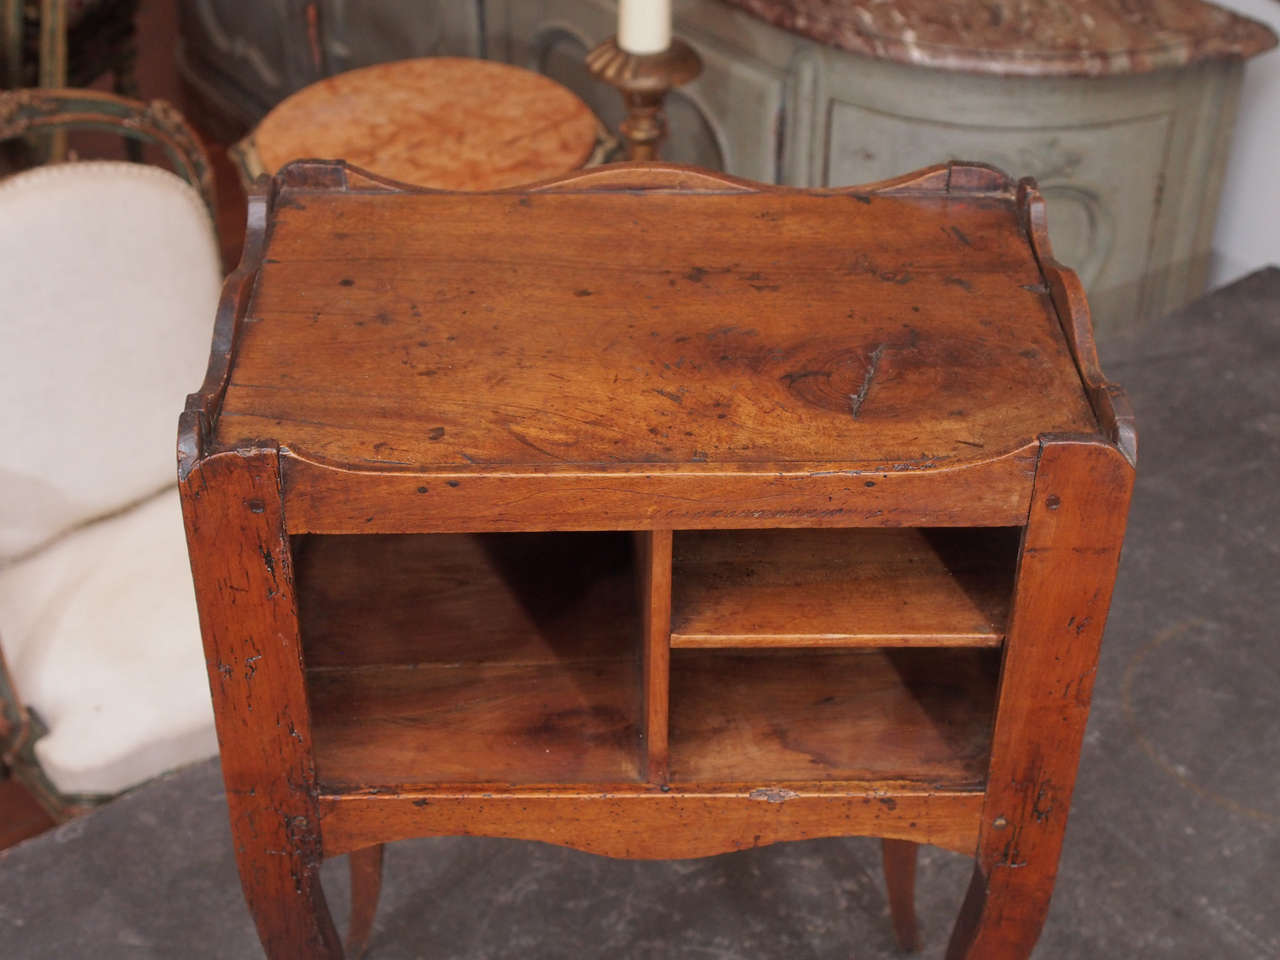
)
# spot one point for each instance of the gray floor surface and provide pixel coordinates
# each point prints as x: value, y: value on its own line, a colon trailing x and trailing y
x: 1173, y: 848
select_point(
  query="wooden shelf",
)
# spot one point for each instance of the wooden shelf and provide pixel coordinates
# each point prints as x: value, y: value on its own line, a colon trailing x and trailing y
x: 485, y: 658
x: 773, y: 716
x: 514, y: 659
x: 863, y: 587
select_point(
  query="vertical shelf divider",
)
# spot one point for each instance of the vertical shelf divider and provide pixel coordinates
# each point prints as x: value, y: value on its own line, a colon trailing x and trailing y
x: 654, y: 556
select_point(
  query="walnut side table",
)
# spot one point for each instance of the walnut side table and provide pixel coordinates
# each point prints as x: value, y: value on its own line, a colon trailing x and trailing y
x: 657, y: 514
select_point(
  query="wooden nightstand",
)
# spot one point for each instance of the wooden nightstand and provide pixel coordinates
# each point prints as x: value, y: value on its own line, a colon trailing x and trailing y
x: 875, y: 481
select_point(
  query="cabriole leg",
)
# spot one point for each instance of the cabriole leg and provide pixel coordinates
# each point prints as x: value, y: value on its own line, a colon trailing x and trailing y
x: 900, y: 882
x: 366, y: 885
x: 1070, y: 552
x: 244, y: 590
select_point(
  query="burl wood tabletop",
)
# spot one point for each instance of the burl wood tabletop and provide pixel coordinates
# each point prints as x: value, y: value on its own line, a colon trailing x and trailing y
x: 708, y: 332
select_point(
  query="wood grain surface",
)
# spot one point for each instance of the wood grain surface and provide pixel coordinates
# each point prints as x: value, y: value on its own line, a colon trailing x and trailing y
x: 883, y: 356
x: 248, y: 618
x: 647, y: 822
x: 653, y: 550
x: 456, y: 658
x: 1068, y: 568
x: 899, y: 857
x: 909, y: 715
x: 871, y: 588
x: 832, y: 333
x: 327, y: 499
x: 372, y: 601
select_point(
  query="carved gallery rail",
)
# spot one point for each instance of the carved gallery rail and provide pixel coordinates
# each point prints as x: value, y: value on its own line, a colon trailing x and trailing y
x: 657, y: 514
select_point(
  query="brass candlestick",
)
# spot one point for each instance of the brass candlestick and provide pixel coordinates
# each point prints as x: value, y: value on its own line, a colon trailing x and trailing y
x: 644, y: 79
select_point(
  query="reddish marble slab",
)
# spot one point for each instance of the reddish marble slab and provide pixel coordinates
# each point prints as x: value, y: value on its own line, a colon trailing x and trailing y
x: 1024, y: 37
x: 451, y: 123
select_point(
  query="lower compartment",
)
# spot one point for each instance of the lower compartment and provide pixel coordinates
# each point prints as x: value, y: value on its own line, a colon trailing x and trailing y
x: 514, y: 659
x: 470, y: 658
x: 802, y: 715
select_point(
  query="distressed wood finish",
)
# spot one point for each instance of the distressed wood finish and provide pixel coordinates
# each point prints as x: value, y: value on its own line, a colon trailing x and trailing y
x: 832, y: 714
x: 900, y: 880
x: 366, y: 885
x: 244, y: 591
x: 328, y: 499
x: 647, y: 823
x: 1069, y: 558
x: 1115, y: 414
x: 459, y: 658
x: 874, y: 388
x: 867, y: 366
x: 843, y: 588
x: 655, y: 599
x: 452, y: 500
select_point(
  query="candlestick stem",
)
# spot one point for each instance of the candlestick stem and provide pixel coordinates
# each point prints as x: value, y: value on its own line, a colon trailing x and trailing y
x: 644, y: 79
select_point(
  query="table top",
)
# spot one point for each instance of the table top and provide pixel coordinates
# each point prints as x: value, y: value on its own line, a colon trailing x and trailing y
x: 705, y: 326
x: 621, y: 329
x: 452, y: 123
x: 1038, y: 38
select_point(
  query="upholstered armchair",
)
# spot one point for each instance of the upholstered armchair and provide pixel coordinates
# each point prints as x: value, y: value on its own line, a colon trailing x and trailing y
x: 109, y: 277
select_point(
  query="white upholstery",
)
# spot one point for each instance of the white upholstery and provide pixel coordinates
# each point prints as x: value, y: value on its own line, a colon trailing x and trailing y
x: 109, y: 278
x: 101, y: 634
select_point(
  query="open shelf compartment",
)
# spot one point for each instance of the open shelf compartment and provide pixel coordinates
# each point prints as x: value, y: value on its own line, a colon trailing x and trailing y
x: 878, y: 587
x: 773, y: 716
x: 470, y: 658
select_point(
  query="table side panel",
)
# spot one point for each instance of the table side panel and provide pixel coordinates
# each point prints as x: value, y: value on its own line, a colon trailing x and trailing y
x: 241, y: 566
x: 1070, y: 554
x: 323, y: 499
x: 649, y: 824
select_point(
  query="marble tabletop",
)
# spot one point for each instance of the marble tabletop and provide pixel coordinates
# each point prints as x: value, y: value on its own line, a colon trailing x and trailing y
x: 1024, y: 37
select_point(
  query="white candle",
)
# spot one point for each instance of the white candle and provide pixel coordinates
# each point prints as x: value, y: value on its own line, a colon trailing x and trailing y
x: 644, y: 26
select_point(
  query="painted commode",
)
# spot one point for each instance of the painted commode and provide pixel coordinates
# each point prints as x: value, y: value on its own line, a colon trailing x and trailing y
x: 1122, y: 111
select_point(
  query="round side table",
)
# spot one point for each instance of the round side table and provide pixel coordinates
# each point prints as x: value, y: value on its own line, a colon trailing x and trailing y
x: 452, y: 123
